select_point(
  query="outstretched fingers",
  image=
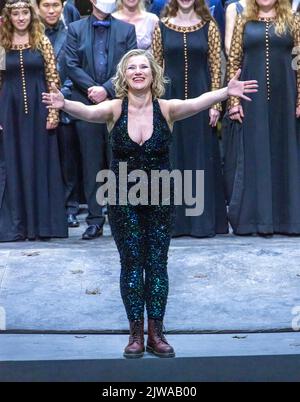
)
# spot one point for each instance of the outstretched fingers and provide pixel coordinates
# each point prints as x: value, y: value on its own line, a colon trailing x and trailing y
x: 46, y: 98
x: 250, y: 86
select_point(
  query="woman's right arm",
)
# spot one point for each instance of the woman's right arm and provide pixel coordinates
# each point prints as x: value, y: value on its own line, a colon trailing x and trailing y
x: 101, y: 113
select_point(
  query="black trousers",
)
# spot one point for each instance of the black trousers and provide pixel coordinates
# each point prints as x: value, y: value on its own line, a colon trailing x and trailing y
x: 95, y: 156
x: 70, y: 164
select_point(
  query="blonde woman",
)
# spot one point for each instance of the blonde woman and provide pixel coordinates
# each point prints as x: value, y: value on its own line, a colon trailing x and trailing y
x: 262, y: 165
x: 133, y: 11
x: 31, y: 187
x: 140, y: 125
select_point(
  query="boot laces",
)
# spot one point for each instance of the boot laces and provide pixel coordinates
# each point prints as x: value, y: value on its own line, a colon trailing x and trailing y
x: 159, y: 328
x: 136, y: 330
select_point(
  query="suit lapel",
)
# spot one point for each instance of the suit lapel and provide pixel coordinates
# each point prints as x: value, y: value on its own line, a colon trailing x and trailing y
x: 89, y: 41
x: 61, y: 37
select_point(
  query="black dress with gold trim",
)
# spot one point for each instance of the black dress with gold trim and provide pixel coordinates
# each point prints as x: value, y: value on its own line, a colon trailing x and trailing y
x: 191, y: 57
x: 262, y: 164
x: 31, y: 187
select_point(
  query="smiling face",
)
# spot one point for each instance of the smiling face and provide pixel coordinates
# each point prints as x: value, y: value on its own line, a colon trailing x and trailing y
x: 138, y: 73
x: 50, y: 11
x: 20, y: 18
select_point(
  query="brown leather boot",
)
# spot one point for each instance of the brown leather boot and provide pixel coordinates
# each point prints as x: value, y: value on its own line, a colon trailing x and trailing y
x: 135, y: 347
x: 157, y: 343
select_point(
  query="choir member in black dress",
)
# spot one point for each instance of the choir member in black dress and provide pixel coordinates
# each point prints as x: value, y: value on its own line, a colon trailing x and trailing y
x: 187, y: 43
x: 31, y: 186
x: 261, y: 141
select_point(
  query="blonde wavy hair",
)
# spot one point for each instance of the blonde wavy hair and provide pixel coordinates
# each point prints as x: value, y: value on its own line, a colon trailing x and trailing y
x: 120, y: 82
x: 141, y: 5
x: 284, y: 15
x: 36, y: 28
x: 200, y: 8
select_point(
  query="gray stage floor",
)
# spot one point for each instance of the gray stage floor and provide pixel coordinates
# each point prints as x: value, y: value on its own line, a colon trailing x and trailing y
x: 226, y: 283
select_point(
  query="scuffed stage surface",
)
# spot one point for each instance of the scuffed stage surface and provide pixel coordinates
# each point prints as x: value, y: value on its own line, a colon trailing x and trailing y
x: 226, y: 283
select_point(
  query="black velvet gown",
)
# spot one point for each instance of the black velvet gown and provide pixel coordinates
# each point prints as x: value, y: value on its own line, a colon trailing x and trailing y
x: 262, y: 165
x: 31, y: 187
x: 195, y: 144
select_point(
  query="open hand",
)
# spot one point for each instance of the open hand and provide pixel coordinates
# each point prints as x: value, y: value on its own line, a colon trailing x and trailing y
x: 54, y: 99
x: 239, y: 88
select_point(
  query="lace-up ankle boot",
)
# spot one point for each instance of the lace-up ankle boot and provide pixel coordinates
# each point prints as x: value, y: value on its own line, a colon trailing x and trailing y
x: 157, y: 343
x: 135, y: 347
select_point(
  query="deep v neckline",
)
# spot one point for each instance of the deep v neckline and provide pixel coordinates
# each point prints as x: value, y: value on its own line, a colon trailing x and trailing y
x: 153, y: 128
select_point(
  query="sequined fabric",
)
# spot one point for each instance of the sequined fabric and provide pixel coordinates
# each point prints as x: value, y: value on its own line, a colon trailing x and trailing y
x: 142, y: 232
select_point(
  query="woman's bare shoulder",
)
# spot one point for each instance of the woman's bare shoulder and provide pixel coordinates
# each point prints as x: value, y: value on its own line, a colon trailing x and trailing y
x: 116, y: 107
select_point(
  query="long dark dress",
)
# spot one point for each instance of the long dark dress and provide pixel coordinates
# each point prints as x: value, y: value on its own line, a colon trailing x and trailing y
x: 195, y: 145
x: 262, y: 165
x: 31, y: 188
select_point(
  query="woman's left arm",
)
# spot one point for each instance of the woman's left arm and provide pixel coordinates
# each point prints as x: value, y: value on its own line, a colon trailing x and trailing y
x: 182, y: 109
x: 51, y: 77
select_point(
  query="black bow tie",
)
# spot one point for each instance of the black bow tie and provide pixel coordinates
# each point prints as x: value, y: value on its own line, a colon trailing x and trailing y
x: 104, y: 24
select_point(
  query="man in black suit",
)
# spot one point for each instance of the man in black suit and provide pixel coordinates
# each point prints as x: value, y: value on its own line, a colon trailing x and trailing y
x: 94, y: 47
x: 50, y: 12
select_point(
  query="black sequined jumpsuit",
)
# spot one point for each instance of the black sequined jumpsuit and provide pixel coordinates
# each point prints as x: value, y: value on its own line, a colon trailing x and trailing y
x: 142, y: 232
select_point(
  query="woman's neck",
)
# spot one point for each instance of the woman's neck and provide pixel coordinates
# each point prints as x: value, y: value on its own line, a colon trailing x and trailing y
x: 20, y: 37
x: 131, y: 13
x: 267, y: 12
x: 140, y: 101
x: 186, y: 17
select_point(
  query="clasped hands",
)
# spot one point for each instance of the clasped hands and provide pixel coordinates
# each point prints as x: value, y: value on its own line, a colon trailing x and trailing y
x: 97, y: 94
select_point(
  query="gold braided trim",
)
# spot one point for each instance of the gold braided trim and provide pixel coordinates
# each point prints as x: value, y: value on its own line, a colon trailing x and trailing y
x: 181, y: 29
x: 51, y: 75
x: 214, y: 58
x: 20, y: 47
x: 157, y: 46
x: 266, y: 19
x: 296, y: 32
x: 235, y: 56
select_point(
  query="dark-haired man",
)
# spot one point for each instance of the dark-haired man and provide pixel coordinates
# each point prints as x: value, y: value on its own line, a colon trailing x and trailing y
x: 95, y: 46
x: 51, y: 12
